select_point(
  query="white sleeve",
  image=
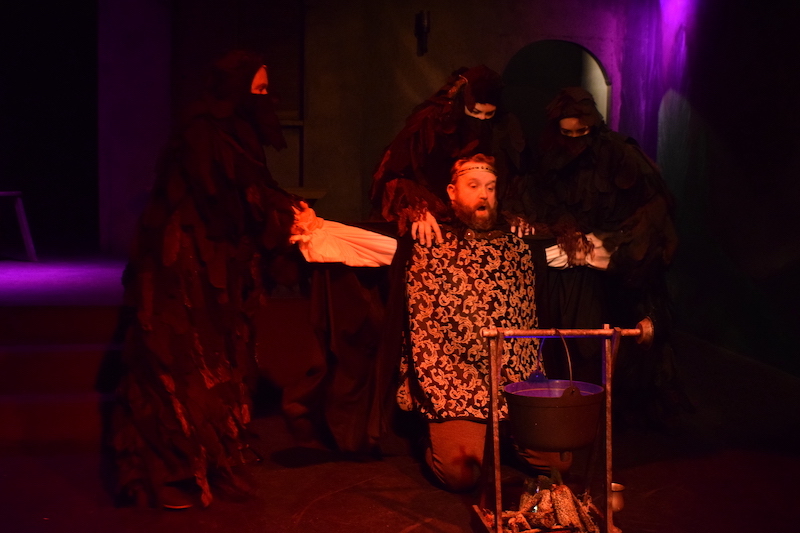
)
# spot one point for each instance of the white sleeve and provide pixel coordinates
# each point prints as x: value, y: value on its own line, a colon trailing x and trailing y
x: 334, y: 242
x: 556, y: 257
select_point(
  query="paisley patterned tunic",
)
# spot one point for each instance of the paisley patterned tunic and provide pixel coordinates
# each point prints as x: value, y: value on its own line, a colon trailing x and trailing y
x: 456, y: 288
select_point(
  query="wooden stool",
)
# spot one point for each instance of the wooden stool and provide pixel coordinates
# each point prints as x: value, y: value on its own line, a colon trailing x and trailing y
x: 23, y: 223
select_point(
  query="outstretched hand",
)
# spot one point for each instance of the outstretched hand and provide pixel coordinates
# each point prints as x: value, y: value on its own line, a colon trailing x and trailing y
x: 426, y: 230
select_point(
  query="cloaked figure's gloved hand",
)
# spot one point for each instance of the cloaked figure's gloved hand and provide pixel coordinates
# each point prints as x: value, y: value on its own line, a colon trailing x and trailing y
x: 426, y: 230
x: 521, y: 228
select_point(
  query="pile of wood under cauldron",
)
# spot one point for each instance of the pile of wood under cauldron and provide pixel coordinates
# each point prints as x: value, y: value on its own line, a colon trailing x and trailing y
x: 546, y: 506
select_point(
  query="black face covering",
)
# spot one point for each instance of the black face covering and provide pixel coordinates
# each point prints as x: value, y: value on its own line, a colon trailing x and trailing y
x: 259, y: 111
x: 573, y: 102
x: 475, y: 135
x: 562, y: 150
x: 575, y: 145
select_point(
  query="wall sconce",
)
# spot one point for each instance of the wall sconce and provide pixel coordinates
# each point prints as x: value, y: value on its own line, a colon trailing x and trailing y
x: 422, y: 26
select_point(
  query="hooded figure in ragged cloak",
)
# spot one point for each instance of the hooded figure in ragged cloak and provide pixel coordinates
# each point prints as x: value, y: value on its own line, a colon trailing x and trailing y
x: 611, y: 218
x: 214, y: 221
x: 461, y: 119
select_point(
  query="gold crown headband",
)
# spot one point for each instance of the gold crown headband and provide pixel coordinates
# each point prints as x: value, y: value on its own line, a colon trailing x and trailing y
x: 469, y: 168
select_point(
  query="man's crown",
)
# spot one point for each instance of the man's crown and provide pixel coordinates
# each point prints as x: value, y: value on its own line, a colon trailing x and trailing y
x: 469, y: 168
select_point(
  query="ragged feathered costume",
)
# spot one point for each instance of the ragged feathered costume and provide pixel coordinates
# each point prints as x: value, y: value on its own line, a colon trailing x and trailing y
x: 415, y: 168
x: 603, y: 184
x: 214, y: 221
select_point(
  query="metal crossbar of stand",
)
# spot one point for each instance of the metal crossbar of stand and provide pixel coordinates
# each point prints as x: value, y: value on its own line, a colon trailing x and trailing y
x: 611, y: 337
x: 22, y: 220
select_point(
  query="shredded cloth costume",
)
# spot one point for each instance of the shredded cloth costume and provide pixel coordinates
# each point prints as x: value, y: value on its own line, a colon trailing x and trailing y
x: 413, y: 174
x: 602, y: 189
x: 470, y: 281
x: 213, y: 223
x: 602, y: 183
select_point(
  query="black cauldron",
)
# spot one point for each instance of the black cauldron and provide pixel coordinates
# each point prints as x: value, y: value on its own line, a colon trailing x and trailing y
x: 552, y: 414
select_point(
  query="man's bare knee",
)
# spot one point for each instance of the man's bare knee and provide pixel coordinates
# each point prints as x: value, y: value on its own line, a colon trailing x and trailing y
x: 461, y: 476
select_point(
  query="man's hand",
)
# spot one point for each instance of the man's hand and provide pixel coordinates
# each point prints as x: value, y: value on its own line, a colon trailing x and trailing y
x: 426, y: 230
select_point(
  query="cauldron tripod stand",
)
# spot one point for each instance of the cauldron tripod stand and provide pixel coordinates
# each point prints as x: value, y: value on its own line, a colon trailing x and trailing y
x: 611, y: 337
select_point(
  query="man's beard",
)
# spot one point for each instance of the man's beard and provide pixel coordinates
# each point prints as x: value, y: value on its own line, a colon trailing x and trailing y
x: 470, y: 216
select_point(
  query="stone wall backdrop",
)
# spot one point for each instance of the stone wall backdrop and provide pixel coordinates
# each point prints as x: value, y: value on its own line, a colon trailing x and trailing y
x: 708, y: 87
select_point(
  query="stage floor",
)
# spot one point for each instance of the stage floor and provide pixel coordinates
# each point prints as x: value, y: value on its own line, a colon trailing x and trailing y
x: 732, y: 465
x: 82, y: 281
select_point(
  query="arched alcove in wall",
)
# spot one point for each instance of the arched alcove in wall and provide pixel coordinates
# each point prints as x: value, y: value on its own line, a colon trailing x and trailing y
x: 536, y: 73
